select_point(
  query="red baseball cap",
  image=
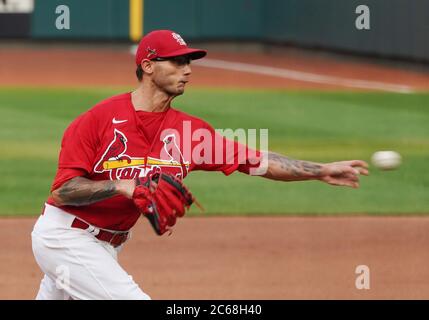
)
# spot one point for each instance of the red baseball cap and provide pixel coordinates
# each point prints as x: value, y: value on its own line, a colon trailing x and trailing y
x: 165, y: 44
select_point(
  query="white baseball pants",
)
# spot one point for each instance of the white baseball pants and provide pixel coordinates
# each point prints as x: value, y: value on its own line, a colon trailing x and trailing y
x: 77, y: 265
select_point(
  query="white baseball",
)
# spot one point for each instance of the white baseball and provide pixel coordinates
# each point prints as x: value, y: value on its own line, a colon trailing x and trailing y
x: 386, y: 160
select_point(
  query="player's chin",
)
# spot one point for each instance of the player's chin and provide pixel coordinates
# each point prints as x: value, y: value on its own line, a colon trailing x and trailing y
x: 175, y: 91
x: 180, y: 89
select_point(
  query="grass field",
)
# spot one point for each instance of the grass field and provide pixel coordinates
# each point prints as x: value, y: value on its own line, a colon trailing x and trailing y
x: 304, y: 125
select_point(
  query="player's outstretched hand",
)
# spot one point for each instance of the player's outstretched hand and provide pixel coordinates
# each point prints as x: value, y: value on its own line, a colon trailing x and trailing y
x: 344, y: 173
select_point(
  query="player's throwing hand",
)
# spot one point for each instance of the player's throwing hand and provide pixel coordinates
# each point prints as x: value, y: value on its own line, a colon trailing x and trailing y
x: 341, y: 173
x: 344, y: 173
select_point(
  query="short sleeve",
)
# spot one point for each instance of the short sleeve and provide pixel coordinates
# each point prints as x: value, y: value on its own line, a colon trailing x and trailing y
x: 64, y: 175
x: 225, y: 155
x: 79, y: 144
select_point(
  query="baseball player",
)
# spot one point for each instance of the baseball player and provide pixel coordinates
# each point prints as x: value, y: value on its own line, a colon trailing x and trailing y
x: 126, y: 157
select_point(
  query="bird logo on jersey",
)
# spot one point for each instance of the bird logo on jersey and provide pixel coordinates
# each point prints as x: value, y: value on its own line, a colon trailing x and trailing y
x: 172, y: 149
x: 115, y: 150
x: 122, y: 166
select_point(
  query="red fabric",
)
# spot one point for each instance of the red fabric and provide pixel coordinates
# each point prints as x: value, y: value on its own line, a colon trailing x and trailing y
x: 165, y: 44
x: 236, y: 156
x: 110, y: 141
x: 64, y: 175
x: 150, y: 123
x: 115, y: 239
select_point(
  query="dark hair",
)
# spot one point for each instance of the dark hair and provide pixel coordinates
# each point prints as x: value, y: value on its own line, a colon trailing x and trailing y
x: 139, y: 72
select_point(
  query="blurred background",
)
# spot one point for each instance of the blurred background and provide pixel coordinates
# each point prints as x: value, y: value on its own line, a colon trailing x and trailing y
x: 399, y: 28
x: 331, y: 80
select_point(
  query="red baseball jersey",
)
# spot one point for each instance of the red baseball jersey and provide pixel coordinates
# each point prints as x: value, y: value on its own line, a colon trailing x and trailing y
x: 114, y: 141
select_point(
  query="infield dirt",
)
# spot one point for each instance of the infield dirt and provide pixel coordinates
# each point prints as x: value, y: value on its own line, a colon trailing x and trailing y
x: 253, y: 258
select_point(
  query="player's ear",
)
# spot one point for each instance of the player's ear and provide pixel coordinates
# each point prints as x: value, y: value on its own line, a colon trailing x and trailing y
x: 147, y: 66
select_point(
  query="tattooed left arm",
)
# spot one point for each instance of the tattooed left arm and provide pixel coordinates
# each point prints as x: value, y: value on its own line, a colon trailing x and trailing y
x: 343, y: 173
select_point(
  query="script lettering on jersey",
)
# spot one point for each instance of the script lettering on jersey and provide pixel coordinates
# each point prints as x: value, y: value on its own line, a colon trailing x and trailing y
x: 121, y: 165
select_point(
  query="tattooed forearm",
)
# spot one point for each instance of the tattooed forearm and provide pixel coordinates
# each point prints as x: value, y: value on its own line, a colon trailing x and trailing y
x: 284, y: 168
x: 80, y: 191
x: 311, y: 168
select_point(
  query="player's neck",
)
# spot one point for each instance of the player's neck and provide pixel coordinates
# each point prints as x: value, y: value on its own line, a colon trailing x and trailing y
x: 149, y: 100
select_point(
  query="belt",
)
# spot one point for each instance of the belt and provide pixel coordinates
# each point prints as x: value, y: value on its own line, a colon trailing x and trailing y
x: 113, y: 238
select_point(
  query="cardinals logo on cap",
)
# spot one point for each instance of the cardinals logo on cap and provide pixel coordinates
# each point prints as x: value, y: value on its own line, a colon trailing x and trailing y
x: 151, y: 52
x: 179, y: 39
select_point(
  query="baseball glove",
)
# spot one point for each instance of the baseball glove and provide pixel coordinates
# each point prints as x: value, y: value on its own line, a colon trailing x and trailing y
x: 161, y: 198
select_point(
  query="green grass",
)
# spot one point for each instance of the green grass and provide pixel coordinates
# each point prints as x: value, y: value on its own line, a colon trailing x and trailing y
x: 304, y: 125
